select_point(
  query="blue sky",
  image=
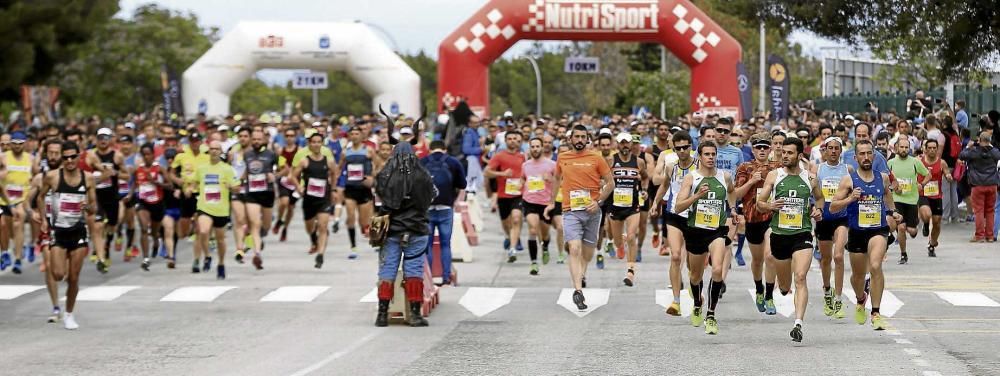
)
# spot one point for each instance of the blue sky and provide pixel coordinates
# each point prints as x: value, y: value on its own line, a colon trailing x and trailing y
x: 414, y: 24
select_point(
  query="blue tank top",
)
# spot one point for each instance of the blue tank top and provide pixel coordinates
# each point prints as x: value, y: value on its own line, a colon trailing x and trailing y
x: 868, y: 212
x: 357, y: 165
x: 829, y: 180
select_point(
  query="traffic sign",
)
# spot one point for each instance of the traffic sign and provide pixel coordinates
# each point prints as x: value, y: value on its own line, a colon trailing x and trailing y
x: 310, y: 80
x: 582, y: 65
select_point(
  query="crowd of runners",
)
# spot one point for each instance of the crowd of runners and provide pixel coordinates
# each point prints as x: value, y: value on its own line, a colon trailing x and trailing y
x: 700, y: 187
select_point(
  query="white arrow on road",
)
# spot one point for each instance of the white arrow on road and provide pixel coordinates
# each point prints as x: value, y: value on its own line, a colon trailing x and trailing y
x: 483, y: 300
x: 595, y: 298
x: 890, y: 303
x: 665, y: 297
x: 785, y: 305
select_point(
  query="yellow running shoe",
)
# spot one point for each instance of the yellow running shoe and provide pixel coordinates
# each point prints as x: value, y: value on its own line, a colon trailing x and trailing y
x: 860, y: 315
x: 877, y: 322
x: 839, y: 312
x: 696, y: 317
x: 93, y: 258
x: 674, y: 309
x: 711, y: 326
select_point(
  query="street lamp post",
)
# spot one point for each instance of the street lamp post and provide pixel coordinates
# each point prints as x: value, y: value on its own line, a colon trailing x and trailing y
x: 538, y: 84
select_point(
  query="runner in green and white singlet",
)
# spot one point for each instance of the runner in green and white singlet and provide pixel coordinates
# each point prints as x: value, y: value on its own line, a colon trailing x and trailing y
x: 786, y: 192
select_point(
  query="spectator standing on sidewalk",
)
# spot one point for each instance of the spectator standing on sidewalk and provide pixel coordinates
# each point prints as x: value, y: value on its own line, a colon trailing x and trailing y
x: 981, y: 158
x: 449, y: 178
x: 472, y: 148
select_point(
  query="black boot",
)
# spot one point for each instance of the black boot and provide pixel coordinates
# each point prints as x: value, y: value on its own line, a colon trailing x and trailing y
x: 382, y: 319
x: 415, y: 318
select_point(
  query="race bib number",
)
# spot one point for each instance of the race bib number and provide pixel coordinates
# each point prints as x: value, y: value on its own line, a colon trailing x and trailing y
x: 622, y: 197
x: 512, y: 187
x: 536, y: 184
x: 932, y: 189
x: 830, y: 187
x: 708, y: 215
x: 15, y: 191
x: 642, y: 198
x: 70, y: 210
x: 316, y: 187
x: 122, y: 186
x: 355, y: 172
x: 213, y: 195
x: 790, y: 217
x: 905, y: 185
x: 579, y: 199
x: 147, y: 193
x: 869, y: 215
x: 258, y: 182
x: 101, y: 184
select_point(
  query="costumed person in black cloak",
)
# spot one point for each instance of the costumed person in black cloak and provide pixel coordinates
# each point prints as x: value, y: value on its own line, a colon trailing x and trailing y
x: 406, y: 190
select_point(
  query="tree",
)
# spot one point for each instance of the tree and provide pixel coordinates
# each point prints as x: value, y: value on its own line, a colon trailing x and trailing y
x: 40, y: 34
x: 117, y: 71
x: 961, y: 36
x: 254, y: 96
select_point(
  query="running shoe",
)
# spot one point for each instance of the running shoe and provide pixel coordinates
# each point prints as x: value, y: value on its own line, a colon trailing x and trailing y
x: 220, y: 272
x: 17, y: 267
x: 578, y: 299
x: 336, y: 226
x: 319, y: 261
x: 313, y: 248
x: 506, y: 244
x: 239, y: 256
x: 277, y: 227
x: 163, y: 250
x: 29, y: 253
x: 194, y: 267
x: 145, y: 265
x: 208, y: 264
x: 102, y: 267
x: 600, y: 261
x: 534, y: 269
x: 284, y: 234
x: 696, y: 317
x: 638, y: 256
x: 759, y: 302
x: 609, y: 248
x: 739, y: 259
x: 118, y: 244
x: 828, y: 307
x: 561, y: 258
x: 796, y: 333
x: 903, y: 259
x: 511, y: 256
x: 135, y: 251
x: 931, y: 251
x: 56, y: 314
x: 769, y: 308
x: 629, y: 276
x: 860, y: 314
x: 258, y: 262
x: 93, y: 259
x: 620, y: 252
x: 70, y: 323
x: 656, y: 240
x: 877, y: 322
x: 4, y: 261
x: 816, y: 254
x: 545, y: 257
x: 171, y: 263
x: 519, y: 247
x: 353, y: 255
x: 711, y: 326
x: 674, y: 309
x: 927, y: 229
x: 838, y: 310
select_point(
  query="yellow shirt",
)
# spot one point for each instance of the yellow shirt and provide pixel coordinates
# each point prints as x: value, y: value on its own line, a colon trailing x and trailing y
x: 18, y: 177
x: 189, y: 163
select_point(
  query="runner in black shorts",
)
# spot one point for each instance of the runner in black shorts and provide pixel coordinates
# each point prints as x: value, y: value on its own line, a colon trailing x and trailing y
x: 539, y: 175
x: 930, y: 203
x: 258, y: 182
x: 831, y: 230
x: 629, y: 172
x: 644, y: 192
x: 506, y: 165
x: 749, y: 181
x: 357, y: 167
x: 106, y: 163
x: 675, y: 224
x: 316, y: 174
x: 147, y: 188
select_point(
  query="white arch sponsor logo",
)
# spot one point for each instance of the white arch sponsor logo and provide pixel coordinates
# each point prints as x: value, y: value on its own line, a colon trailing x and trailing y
x: 634, y: 16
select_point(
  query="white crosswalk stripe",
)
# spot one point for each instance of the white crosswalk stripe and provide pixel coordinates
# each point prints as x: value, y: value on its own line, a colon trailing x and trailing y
x: 103, y: 293
x: 11, y: 292
x: 890, y: 303
x: 204, y: 294
x: 295, y: 294
x: 967, y: 299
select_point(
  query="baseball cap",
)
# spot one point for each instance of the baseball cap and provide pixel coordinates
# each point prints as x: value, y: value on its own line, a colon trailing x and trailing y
x: 508, y: 114
x: 195, y: 136
x: 623, y: 137
x: 104, y: 132
x: 18, y: 137
x: 130, y: 125
x: 170, y: 153
x: 223, y: 128
x: 606, y: 131
x: 317, y: 124
x: 406, y: 130
x: 760, y: 139
x: 636, y: 138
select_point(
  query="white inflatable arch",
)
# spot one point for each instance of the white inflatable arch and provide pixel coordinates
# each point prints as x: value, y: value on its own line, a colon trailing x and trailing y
x: 319, y: 46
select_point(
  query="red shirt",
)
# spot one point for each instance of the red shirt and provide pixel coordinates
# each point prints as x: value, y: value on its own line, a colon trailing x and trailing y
x: 507, y: 160
x: 934, y: 185
x: 146, y: 178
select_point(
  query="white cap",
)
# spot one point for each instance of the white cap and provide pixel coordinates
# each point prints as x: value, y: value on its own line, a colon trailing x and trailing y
x: 606, y: 131
x: 624, y: 137
x: 317, y: 124
x: 130, y: 125
x: 406, y: 130
x: 104, y: 132
x: 443, y: 119
x: 508, y: 114
x: 223, y: 128
x: 832, y: 139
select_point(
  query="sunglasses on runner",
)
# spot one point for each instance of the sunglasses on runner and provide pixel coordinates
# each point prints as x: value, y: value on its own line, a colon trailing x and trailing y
x: 70, y: 157
x: 682, y: 147
x: 761, y: 147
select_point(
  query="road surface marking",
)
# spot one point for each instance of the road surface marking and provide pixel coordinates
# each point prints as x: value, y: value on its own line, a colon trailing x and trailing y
x: 480, y: 301
x: 967, y: 299
x: 294, y: 294
x: 203, y: 294
x: 10, y: 292
x: 594, y: 298
x: 339, y: 354
x: 103, y: 293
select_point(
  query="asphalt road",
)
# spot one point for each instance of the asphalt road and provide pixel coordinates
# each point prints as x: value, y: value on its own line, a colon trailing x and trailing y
x: 499, y: 320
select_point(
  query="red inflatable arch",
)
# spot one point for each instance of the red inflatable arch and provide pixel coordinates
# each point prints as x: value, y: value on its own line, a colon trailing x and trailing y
x: 710, y: 52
